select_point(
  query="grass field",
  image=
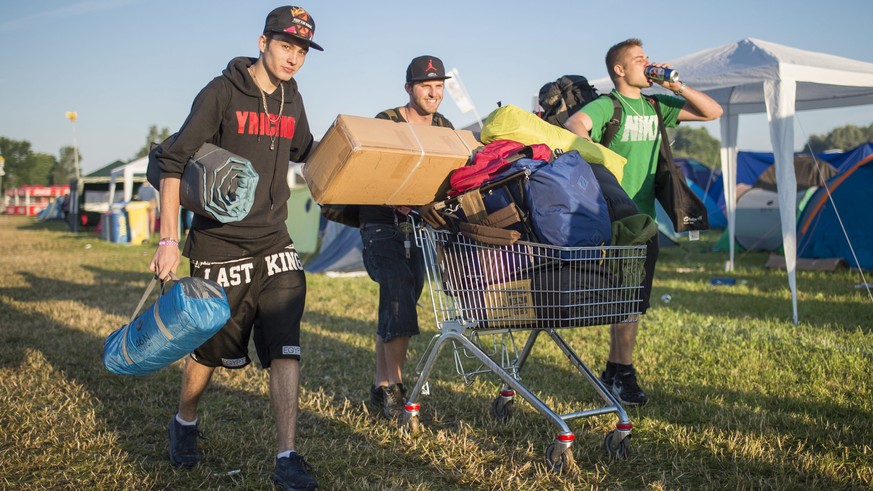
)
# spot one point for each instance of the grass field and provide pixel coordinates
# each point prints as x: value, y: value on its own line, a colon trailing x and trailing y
x: 740, y: 397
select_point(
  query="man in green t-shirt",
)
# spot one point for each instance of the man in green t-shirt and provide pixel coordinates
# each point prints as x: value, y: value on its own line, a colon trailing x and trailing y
x: 638, y: 140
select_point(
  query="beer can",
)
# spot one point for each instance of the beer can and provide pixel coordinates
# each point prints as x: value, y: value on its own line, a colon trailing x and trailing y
x: 662, y: 74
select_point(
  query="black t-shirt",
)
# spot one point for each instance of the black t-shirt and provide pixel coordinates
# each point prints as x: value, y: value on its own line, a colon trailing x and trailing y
x: 385, y: 214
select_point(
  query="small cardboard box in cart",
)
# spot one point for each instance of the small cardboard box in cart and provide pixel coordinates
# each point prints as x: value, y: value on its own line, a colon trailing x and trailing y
x: 368, y: 161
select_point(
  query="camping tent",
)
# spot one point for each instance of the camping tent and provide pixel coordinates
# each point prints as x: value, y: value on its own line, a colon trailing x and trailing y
x: 713, y: 212
x: 702, y: 175
x: 822, y: 232
x: 125, y: 173
x: 758, y: 224
x: 758, y: 169
x: 753, y: 76
x: 89, y: 197
x: 304, y: 219
x: 340, y: 251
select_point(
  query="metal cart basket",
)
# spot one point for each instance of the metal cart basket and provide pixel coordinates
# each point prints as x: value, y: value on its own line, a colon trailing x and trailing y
x: 484, y: 294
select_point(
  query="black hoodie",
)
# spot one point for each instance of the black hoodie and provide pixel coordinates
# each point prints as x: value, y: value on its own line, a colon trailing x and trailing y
x: 229, y: 112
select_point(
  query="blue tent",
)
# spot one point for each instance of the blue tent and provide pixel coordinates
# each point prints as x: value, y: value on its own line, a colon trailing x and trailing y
x: 708, y: 179
x: 840, y: 225
x: 340, y: 251
x: 708, y: 185
x: 713, y: 211
x: 757, y: 169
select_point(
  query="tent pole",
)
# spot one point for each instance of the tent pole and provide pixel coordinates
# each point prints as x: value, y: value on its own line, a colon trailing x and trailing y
x: 729, y: 124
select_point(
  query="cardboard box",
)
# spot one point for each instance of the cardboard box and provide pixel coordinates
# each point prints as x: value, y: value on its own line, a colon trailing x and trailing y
x: 510, y: 304
x: 368, y: 161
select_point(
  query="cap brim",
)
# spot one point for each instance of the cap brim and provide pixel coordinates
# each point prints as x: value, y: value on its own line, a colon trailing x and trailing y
x: 427, y: 79
x: 311, y: 44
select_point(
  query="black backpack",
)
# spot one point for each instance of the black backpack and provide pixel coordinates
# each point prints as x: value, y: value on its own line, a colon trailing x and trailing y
x: 566, y: 96
x: 153, y: 170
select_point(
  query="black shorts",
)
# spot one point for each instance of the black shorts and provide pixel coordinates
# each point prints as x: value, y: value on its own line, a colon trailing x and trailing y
x: 266, y: 294
x: 652, y: 250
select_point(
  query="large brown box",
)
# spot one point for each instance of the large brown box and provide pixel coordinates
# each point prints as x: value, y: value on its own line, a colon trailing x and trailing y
x: 368, y: 161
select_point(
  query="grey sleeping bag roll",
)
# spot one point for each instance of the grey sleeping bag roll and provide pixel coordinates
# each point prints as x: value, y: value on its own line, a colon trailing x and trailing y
x: 218, y: 184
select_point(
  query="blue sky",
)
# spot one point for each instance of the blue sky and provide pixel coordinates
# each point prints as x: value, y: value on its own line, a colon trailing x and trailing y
x: 125, y: 65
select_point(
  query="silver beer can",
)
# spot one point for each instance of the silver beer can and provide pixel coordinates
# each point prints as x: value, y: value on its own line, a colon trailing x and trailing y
x: 662, y: 74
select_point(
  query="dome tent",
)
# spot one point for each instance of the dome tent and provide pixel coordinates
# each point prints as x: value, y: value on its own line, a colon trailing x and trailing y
x: 838, y: 220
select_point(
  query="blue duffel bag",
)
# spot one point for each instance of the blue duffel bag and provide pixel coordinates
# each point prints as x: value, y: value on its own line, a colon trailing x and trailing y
x: 566, y: 206
x: 182, y: 319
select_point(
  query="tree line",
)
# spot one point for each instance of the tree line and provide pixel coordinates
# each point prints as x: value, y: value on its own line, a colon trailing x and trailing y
x: 698, y: 144
x: 24, y: 166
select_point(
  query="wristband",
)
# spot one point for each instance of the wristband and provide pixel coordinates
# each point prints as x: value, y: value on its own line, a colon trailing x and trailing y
x: 166, y: 241
x: 680, y: 89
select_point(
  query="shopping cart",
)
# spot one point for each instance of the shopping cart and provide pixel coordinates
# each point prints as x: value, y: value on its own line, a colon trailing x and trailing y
x: 484, y: 294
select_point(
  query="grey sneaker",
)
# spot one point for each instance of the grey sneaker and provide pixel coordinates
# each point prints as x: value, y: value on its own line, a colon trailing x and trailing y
x: 183, y: 444
x: 294, y: 474
x: 626, y: 389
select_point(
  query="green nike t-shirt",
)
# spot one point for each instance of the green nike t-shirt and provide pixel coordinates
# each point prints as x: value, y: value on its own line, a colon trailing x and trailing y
x: 638, y: 140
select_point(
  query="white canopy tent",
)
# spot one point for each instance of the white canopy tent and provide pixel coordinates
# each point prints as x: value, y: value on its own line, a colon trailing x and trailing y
x: 125, y: 173
x: 753, y: 76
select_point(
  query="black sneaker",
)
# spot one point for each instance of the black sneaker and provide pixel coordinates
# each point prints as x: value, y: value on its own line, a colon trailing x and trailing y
x: 608, y: 374
x: 183, y: 444
x: 607, y: 378
x: 395, y: 400
x: 377, y: 397
x: 626, y: 389
x: 294, y: 474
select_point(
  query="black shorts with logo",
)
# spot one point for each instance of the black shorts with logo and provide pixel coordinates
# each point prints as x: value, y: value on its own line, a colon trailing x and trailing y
x: 267, y: 295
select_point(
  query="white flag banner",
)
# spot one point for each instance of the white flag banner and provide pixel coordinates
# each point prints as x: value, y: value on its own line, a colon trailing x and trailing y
x: 457, y: 93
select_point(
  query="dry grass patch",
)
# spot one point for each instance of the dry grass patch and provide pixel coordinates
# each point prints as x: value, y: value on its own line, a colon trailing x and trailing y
x: 741, y: 398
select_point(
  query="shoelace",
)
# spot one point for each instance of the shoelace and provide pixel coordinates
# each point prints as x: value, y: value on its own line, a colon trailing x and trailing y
x: 188, y: 441
x: 297, y: 461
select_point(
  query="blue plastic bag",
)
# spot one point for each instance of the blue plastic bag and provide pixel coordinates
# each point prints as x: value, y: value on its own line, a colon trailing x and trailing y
x: 181, y: 320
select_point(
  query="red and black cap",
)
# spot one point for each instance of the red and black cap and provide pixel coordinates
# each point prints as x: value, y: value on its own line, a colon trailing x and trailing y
x: 293, y: 21
x: 424, y: 68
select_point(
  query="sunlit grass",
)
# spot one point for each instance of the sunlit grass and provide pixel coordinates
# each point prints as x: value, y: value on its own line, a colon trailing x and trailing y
x: 741, y: 397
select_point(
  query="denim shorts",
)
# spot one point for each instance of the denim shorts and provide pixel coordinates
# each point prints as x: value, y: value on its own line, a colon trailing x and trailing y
x: 400, y: 278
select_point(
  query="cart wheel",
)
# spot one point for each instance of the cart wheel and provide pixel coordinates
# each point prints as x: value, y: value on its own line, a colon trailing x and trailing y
x: 410, y: 424
x: 559, y: 458
x: 501, y: 408
x: 616, y: 445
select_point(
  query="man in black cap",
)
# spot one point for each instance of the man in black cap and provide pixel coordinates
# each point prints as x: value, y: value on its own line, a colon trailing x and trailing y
x: 390, y: 254
x: 253, y: 110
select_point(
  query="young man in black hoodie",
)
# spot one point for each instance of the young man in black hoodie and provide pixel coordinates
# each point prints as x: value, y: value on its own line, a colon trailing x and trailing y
x: 255, y: 111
